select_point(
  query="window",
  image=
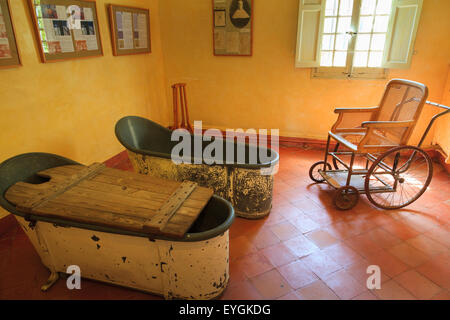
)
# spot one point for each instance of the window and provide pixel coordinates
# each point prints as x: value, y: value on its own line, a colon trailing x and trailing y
x: 356, y: 38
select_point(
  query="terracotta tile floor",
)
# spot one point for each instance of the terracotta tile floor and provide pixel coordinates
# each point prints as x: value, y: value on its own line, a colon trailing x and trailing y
x: 305, y: 248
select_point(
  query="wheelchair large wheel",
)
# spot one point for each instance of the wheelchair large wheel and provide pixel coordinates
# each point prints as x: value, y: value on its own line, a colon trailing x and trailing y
x: 398, y: 177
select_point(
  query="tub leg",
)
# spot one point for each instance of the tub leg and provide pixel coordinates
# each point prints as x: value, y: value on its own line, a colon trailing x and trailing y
x: 54, y: 276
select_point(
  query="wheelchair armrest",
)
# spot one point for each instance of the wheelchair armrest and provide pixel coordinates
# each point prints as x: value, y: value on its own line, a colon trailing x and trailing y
x: 350, y: 110
x: 387, y: 124
x: 350, y: 119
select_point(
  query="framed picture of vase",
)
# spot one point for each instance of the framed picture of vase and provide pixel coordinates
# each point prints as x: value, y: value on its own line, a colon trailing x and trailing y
x: 9, y: 54
x: 232, y: 27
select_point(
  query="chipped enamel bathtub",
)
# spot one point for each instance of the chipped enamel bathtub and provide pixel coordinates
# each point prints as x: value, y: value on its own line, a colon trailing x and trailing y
x: 194, y: 267
x: 248, y: 187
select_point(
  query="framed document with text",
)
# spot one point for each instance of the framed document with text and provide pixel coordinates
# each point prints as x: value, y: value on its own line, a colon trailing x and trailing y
x: 130, y: 30
x: 66, y: 29
x: 9, y: 54
x: 232, y: 27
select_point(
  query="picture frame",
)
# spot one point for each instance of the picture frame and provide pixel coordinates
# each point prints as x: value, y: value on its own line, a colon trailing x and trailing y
x: 130, y: 30
x: 9, y: 52
x: 232, y: 27
x: 66, y: 29
x: 220, y: 18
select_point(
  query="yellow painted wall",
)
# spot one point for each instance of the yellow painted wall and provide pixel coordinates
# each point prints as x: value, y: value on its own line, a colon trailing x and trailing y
x: 266, y: 91
x: 442, y: 132
x: 70, y: 108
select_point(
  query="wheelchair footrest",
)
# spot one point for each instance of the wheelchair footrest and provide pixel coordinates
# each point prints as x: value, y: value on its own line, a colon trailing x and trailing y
x: 338, y: 178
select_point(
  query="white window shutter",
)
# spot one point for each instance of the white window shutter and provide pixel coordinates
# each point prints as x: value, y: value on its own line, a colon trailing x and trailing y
x: 401, y: 34
x: 308, y: 33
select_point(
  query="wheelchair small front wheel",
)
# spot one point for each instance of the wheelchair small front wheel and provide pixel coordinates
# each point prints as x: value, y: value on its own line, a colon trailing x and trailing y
x: 314, y: 171
x: 346, y: 197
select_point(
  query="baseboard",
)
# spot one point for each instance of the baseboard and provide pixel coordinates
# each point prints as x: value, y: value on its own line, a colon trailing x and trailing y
x: 305, y: 143
x: 440, y: 157
x: 284, y: 141
x: 319, y: 144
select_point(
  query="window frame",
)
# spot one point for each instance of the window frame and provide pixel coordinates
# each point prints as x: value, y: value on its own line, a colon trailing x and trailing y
x: 349, y: 71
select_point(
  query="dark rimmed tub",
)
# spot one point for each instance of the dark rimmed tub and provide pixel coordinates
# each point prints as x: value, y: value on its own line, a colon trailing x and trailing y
x: 247, y: 186
x: 194, y: 267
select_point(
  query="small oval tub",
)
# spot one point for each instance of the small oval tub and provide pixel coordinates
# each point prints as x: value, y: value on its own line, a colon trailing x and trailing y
x: 194, y: 267
x: 247, y: 186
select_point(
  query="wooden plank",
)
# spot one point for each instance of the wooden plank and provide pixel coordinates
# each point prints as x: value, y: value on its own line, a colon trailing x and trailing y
x: 101, y: 190
x: 120, y: 176
x: 55, y: 191
x: 98, y: 183
x: 177, y: 227
x: 168, y: 209
x: 127, y: 180
x: 90, y: 216
x: 113, y: 198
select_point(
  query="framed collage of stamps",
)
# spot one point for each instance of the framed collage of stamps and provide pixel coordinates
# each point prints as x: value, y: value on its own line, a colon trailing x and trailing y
x: 9, y: 54
x: 66, y: 29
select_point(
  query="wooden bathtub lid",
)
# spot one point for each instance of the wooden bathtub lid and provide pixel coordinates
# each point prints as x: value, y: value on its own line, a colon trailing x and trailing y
x: 113, y: 198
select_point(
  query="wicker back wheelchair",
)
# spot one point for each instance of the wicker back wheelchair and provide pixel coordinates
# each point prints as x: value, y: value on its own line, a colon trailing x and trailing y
x: 373, y: 142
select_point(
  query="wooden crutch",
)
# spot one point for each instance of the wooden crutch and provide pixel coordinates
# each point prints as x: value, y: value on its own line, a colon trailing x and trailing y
x: 179, y: 90
x: 188, y: 123
x: 175, y: 108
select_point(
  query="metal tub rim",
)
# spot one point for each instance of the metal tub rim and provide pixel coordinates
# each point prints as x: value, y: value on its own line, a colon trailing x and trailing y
x: 122, y: 123
x: 44, y: 161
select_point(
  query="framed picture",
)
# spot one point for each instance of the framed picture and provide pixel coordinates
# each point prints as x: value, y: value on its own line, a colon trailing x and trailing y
x: 9, y: 54
x: 66, y: 29
x: 130, y: 30
x: 232, y: 27
x: 220, y: 18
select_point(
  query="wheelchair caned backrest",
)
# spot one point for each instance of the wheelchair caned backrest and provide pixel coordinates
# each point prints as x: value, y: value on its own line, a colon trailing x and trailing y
x: 402, y: 100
